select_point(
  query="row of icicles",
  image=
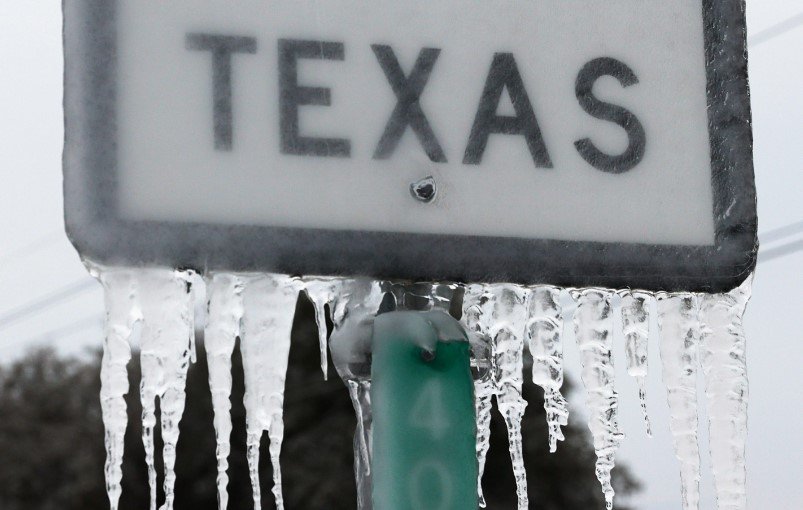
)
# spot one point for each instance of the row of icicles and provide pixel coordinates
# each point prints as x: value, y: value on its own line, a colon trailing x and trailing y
x: 697, y: 330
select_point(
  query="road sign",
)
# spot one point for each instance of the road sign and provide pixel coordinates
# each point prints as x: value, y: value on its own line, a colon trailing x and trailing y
x: 570, y: 142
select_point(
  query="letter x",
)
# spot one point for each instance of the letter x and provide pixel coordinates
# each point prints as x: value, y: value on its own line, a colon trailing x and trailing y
x: 408, y: 108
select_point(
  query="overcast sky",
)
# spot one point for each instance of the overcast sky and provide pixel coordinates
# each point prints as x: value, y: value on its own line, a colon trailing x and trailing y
x: 37, y: 263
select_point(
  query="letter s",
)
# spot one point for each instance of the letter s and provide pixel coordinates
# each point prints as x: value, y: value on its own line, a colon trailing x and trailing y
x: 637, y: 139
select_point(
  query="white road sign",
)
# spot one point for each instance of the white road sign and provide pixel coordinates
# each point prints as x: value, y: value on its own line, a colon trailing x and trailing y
x: 573, y: 142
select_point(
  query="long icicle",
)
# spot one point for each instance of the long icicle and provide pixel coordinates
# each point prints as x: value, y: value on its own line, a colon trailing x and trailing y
x: 483, y: 405
x: 166, y: 352
x: 225, y: 303
x: 322, y: 291
x: 121, y: 314
x: 351, y: 309
x: 723, y: 359
x: 481, y: 360
x: 636, y: 328
x: 593, y: 324
x: 544, y: 335
x: 507, y: 335
x: 501, y: 312
x: 509, y: 354
x: 360, y: 394
x: 680, y: 335
x: 269, y: 303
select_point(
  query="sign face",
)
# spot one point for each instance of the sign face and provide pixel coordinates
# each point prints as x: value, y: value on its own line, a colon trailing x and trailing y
x: 569, y: 142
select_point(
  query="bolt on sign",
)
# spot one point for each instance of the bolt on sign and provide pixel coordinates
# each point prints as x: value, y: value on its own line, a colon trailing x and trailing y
x: 570, y: 142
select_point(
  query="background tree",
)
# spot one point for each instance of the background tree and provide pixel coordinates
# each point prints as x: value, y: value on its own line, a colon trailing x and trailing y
x: 51, y: 442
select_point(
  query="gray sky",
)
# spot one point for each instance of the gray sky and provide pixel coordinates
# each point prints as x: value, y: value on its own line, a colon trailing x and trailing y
x: 37, y: 262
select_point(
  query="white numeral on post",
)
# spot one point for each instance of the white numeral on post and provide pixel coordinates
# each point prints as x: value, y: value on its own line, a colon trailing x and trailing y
x: 428, y: 412
x: 428, y: 472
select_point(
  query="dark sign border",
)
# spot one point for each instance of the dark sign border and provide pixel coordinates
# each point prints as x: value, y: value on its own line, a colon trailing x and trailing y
x: 99, y: 234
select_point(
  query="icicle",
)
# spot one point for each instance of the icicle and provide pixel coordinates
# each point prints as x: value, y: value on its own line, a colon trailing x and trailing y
x: 483, y: 405
x: 351, y: 311
x: 121, y: 314
x: 509, y: 348
x: 322, y: 291
x: 191, y: 314
x: 269, y: 303
x: 481, y: 361
x: 723, y: 350
x: 498, y: 313
x: 636, y: 329
x: 544, y: 332
x: 593, y: 325
x: 678, y: 321
x: 166, y: 303
x: 349, y: 299
x: 360, y: 393
x: 222, y: 330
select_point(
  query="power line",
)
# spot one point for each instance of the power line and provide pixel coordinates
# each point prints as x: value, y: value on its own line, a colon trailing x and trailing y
x: 779, y: 233
x: 32, y: 247
x: 46, y: 301
x: 64, y: 331
x: 780, y: 251
x: 775, y: 30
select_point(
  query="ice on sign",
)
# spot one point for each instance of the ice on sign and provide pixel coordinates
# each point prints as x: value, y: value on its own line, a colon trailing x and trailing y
x: 504, y: 324
x: 562, y: 142
x: 557, y: 163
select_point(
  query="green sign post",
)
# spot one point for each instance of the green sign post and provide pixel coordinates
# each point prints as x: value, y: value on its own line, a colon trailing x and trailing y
x: 424, y: 435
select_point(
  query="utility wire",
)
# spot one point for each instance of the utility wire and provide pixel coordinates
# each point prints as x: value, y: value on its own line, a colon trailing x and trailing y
x: 779, y: 233
x: 46, y: 301
x: 776, y: 30
x: 780, y: 251
x: 32, y: 247
x: 56, y: 334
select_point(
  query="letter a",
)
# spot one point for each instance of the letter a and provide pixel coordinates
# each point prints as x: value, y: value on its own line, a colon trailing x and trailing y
x: 505, y: 74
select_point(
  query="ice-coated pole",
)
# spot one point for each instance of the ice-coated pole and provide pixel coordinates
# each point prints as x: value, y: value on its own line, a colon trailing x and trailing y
x: 424, y: 431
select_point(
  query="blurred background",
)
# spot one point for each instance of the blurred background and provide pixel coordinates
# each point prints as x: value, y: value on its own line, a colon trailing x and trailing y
x: 51, y: 312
